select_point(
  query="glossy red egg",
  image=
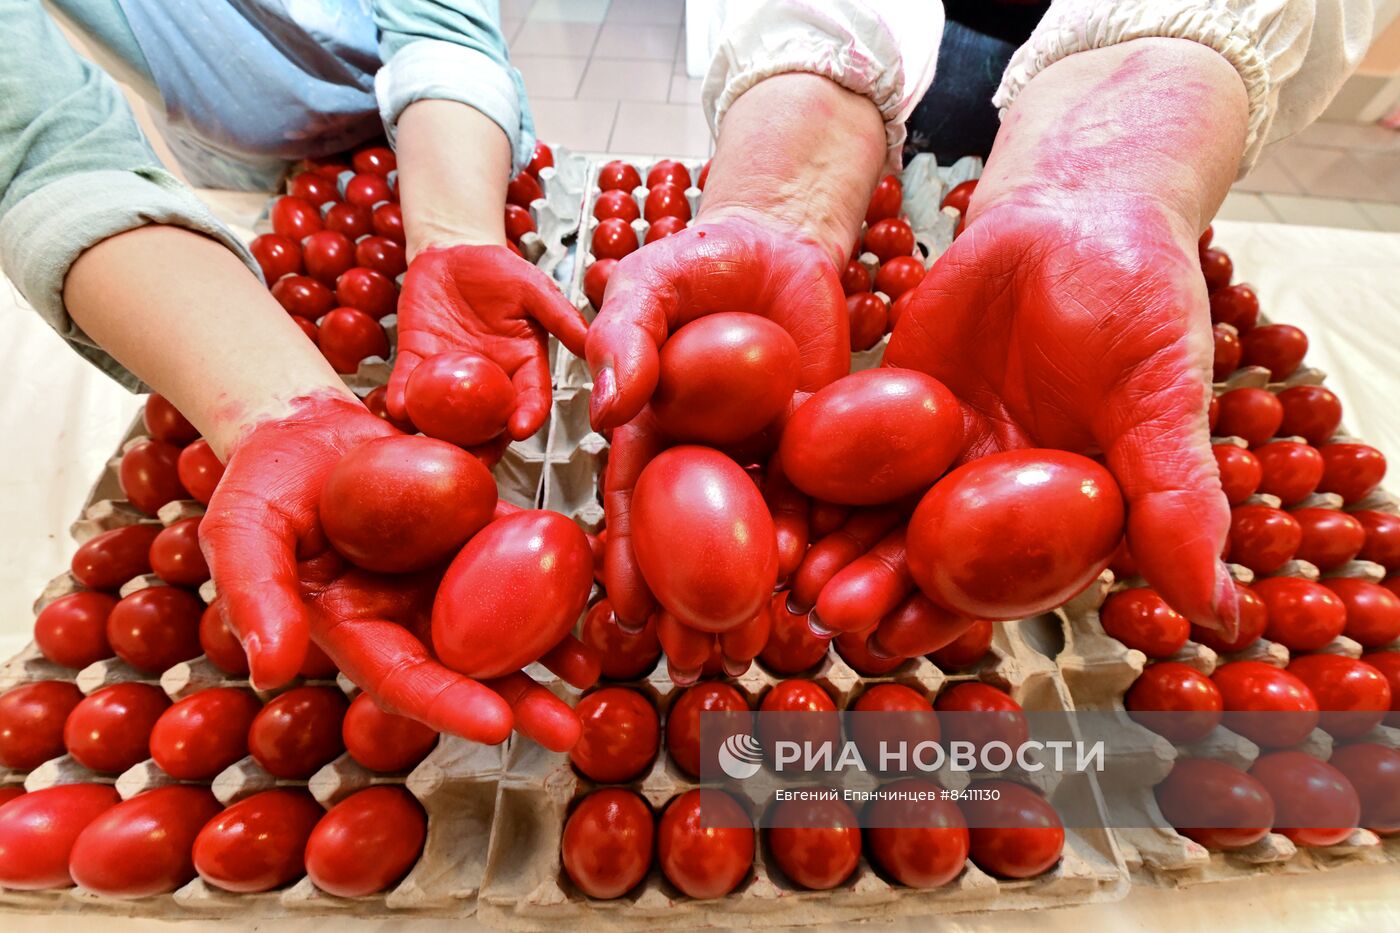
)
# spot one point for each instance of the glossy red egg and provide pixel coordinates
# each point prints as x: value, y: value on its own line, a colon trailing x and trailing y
x: 1177, y: 702
x: 38, y: 829
x: 607, y: 843
x: 31, y: 722
x: 1253, y: 688
x: 110, y: 730
x: 1015, y: 533
x: 71, y: 631
x: 871, y: 437
x: 724, y: 377
x: 204, y: 733
x: 150, y: 476
x: 621, y: 735
x: 257, y: 843
x: 1314, y: 803
x: 512, y: 593
x: 709, y: 858
x: 297, y: 732
x: 367, y: 842
x: 1353, y: 696
x: 403, y: 503
x: 1303, y: 616
x: 1215, y: 804
x: 704, y: 538
x: 142, y: 846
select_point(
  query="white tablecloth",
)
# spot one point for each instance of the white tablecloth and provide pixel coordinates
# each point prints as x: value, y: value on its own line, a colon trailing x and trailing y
x: 1342, y: 287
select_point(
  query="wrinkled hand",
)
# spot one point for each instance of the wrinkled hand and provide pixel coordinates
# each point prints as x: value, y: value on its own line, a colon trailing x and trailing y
x: 1059, y: 322
x: 488, y: 300
x: 731, y: 264
x: 280, y: 583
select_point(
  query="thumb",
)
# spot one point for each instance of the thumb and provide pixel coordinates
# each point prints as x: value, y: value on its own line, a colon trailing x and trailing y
x: 547, y: 305
x: 622, y: 347
x: 1158, y: 448
x: 395, y: 399
x: 252, y: 557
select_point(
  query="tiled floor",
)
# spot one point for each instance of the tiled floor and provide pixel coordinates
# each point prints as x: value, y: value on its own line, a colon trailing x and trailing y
x: 610, y: 76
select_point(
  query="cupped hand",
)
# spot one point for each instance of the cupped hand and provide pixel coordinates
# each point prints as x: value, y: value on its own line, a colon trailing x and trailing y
x: 376, y: 627
x: 486, y: 299
x: 1061, y: 322
x: 733, y: 263
x: 280, y: 583
x: 263, y: 518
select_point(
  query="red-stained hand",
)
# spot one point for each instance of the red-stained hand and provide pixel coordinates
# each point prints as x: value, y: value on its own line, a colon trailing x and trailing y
x: 280, y: 583
x: 376, y: 628
x: 732, y: 264
x: 488, y: 300
x: 1062, y: 322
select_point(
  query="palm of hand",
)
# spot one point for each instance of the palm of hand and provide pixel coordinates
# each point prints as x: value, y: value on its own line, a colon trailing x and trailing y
x: 486, y: 300
x: 264, y: 516
x: 1088, y: 333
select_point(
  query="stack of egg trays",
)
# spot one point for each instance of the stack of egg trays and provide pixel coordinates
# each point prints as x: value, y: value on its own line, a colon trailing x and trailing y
x: 925, y: 184
x: 455, y: 783
x: 1099, y: 669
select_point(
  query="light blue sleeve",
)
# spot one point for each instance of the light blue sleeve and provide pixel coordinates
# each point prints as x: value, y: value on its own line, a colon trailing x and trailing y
x: 451, y: 50
x: 74, y: 170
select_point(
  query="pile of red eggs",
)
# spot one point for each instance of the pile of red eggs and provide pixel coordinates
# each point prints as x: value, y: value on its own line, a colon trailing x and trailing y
x: 1277, y: 451
x: 336, y: 252
x: 704, y: 841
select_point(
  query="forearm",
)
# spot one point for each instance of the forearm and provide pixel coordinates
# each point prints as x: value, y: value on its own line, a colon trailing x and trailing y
x: 454, y: 165
x: 798, y: 150
x: 186, y: 316
x: 1155, y: 120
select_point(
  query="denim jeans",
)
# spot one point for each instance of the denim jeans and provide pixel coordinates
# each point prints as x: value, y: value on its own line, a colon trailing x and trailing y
x: 956, y: 117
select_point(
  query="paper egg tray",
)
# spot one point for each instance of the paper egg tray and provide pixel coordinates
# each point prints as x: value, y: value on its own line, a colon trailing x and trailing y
x: 925, y: 184
x: 526, y: 888
x: 1099, y: 669
x: 455, y: 783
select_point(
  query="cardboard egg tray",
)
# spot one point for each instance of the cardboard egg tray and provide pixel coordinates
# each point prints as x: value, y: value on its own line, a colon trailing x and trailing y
x: 526, y: 887
x: 1099, y: 669
x: 455, y: 783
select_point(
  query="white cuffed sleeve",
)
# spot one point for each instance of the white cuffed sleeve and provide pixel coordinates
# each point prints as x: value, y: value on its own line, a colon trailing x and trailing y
x: 1292, y: 55
x: 882, y: 49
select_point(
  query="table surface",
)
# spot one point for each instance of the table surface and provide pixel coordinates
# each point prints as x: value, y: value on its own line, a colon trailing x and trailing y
x: 1341, y: 286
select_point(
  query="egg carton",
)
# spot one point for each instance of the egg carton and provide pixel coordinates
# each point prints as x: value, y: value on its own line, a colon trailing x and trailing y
x: 575, y: 458
x: 526, y: 887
